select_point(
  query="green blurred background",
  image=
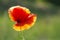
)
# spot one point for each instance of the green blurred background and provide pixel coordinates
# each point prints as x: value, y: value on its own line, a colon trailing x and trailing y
x: 47, y: 26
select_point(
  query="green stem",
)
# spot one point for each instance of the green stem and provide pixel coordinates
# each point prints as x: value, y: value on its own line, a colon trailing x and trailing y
x: 22, y: 35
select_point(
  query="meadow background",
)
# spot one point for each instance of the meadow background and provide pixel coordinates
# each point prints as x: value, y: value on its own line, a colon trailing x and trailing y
x: 47, y: 26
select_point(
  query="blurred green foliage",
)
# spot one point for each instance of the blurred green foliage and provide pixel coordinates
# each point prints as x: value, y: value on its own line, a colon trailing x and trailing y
x: 47, y: 26
x: 55, y: 2
x: 40, y: 6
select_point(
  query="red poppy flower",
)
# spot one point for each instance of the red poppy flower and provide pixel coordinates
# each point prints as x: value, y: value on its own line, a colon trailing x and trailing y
x: 22, y: 17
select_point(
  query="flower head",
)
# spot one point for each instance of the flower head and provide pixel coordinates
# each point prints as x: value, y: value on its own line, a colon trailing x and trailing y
x: 22, y: 17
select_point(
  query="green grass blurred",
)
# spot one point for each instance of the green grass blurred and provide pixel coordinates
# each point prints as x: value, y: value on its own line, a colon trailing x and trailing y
x: 46, y: 28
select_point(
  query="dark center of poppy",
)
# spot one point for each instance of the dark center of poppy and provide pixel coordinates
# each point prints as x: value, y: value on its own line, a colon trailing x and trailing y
x: 19, y: 23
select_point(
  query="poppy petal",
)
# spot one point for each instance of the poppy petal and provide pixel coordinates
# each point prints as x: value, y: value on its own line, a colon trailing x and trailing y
x: 13, y: 12
x: 21, y: 28
x: 29, y: 24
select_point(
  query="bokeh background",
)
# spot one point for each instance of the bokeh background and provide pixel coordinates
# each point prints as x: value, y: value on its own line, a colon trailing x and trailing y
x: 47, y: 26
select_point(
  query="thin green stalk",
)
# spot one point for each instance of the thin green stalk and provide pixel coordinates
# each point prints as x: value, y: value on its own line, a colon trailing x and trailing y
x: 21, y: 36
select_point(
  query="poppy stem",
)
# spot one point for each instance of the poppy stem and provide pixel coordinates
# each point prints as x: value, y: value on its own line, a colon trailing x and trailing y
x: 22, y: 35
